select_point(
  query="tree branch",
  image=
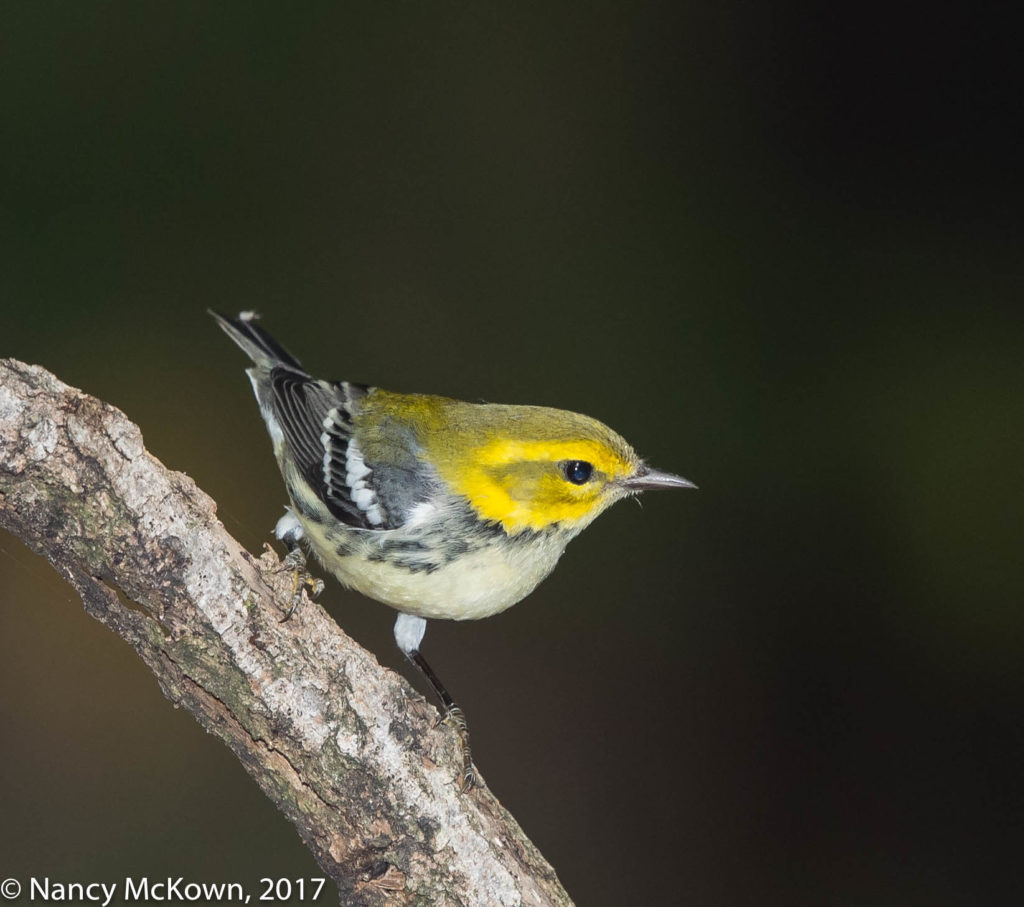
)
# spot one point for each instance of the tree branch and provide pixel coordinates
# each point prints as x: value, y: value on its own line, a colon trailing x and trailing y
x: 345, y: 748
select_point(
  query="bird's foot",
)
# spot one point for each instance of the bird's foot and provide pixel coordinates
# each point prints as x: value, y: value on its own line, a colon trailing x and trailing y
x: 295, y: 563
x: 456, y: 718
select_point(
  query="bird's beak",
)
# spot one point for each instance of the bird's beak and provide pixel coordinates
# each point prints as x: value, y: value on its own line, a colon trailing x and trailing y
x: 647, y: 479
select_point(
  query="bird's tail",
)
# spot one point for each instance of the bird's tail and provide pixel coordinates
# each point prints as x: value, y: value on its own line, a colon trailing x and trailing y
x: 258, y: 345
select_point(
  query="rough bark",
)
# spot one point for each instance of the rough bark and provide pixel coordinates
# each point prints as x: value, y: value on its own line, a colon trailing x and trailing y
x: 345, y: 748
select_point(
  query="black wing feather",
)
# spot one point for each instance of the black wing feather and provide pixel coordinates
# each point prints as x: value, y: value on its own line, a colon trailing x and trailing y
x: 300, y: 405
x: 310, y: 412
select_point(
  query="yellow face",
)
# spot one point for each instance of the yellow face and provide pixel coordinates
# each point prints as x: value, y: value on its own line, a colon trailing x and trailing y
x: 525, y: 467
x: 533, y: 484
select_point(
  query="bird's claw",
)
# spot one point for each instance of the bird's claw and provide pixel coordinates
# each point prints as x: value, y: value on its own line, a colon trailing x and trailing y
x: 455, y: 718
x: 295, y: 562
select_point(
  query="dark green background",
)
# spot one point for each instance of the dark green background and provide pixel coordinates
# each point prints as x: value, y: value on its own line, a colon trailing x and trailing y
x: 778, y: 246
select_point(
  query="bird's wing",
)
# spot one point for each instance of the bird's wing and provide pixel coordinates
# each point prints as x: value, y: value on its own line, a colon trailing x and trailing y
x: 316, y: 419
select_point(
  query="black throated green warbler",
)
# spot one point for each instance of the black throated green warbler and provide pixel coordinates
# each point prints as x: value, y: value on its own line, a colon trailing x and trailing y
x: 438, y: 508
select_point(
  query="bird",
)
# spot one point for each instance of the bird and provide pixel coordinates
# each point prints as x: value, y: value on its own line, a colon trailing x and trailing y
x: 439, y: 508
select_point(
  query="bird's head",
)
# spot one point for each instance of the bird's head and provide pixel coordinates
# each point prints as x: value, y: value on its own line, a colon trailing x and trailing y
x: 534, y: 468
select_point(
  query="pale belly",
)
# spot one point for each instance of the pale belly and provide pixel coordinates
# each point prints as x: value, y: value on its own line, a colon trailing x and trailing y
x: 477, y: 584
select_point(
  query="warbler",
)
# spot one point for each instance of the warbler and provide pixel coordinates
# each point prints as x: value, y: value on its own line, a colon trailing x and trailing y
x: 436, y: 507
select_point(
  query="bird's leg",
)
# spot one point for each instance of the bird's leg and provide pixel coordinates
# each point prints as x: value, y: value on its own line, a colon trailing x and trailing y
x: 453, y: 716
x: 409, y: 632
x: 289, y: 531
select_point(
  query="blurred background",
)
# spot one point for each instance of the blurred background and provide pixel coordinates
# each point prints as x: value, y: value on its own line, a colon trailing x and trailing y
x: 777, y: 246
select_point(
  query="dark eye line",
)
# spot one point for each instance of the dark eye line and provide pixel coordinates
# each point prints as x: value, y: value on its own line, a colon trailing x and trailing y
x: 577, y: 471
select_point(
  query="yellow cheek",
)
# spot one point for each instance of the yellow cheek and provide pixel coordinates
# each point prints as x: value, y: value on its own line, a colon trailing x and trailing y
x: 514, y: 482
x: 521, y: 506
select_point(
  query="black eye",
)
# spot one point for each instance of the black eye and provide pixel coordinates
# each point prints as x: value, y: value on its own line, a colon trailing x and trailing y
x: 577, y: 471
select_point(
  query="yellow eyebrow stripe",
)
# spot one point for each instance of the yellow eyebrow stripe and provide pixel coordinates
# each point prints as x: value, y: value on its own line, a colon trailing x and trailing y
x: 504, y: 451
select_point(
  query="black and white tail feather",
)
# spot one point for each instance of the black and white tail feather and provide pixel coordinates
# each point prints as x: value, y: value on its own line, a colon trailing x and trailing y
x: 258, y: 345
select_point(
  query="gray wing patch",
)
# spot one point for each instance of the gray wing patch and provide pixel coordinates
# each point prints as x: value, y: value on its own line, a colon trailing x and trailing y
x: 401, y: 488
x: 383, y: 484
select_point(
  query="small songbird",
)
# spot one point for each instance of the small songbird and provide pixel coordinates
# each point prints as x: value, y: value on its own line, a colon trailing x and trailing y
x: 438, y: 508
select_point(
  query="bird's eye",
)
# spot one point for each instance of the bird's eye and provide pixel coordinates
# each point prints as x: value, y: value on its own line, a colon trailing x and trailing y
x: 577, y: 471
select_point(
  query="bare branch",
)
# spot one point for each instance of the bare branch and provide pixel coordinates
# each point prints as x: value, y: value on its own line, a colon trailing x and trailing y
x: 344, y: 747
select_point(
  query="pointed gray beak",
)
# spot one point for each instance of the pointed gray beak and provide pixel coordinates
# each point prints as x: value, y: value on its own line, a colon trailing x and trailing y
x: 647, y: 479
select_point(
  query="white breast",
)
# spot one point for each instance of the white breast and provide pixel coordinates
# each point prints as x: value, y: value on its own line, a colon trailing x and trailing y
x: 476, y: 585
